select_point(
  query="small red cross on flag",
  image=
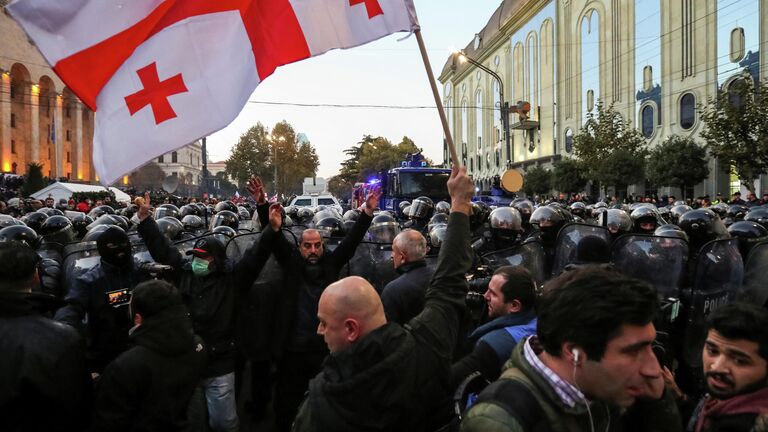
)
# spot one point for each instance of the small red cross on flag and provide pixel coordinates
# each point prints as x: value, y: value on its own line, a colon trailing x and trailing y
x: 372, y: 6
x: 155, y: 93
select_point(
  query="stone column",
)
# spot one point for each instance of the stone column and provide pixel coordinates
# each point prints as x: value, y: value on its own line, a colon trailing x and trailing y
x: 77, y: 162
x: 5, y: 122
x: 58, y: 169
x: 34, y: 137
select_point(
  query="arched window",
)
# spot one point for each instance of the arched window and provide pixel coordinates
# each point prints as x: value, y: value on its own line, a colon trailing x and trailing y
x: 174, y: 157
x: 736, y: 91
x: 568, y: 140
x: 647, y: 121
x: 479, y: 119
x: 687, y: 111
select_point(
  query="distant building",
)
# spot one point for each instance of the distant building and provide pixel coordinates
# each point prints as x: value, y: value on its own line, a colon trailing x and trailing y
x: 41, y: 120
x: 185, y: 163
x: 653, y: 60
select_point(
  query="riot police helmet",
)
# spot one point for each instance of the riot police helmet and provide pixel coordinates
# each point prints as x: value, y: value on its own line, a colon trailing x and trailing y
x: 130, y: 210
x: 702, y: 226
x: 170, y: 227
x: 188, y: 209
x: 525, y: 207
x: 617, y: 221
x: 58, y: 229
x: 507, y: 219
x: 421, y: 208
x: 478, y: 216
x: 549, y: 220
x: 330, y: 227
x: 384, y: 228
x: 35, y: 220
x: 225, y: 205
x: 166, y: 210
x: 737, y: 212
x: 579, y: 209
x: 225, y: 218
x: 407, y: 211
x: 243, y: 213
x: 94, y: 232
x: 443, y: 207
x: 437, y: 219
x: 123, y: 222
x: 748, y: 233
x: 759, y: 215
x: 305, y: 215
x: 192, y: 223
x: 292, y: 211
x: 225, y: 231
x: 720, y: 209
x: 20, y: 233
x: 402, y: 205
x: 601, y: 204
x: 96, y: 212
x: 322, y: 214
x: 48, y: 211
x: 104, y: 219
x: 645, y: 220
x: 437, y: 235
x: 348, y: 224
x: 663, y: 213
x: 8, y: 220
x: 351, y: 215
x: 671, y: 230
x: 80, y: 224
x: 677, y: 211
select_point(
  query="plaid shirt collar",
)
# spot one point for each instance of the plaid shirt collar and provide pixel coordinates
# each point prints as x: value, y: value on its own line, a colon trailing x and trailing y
x: 568, y: 393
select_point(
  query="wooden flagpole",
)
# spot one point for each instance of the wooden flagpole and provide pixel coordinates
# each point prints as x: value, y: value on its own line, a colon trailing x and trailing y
x: 438, y: 102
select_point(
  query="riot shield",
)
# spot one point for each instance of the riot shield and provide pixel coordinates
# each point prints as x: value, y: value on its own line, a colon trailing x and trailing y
x: 529, y: 254
x: 238, y: 245
x: 718, y: 275
x: 571, y: 236
x: 78, y: 259
x: 755, y: 290
x: 660, y: 261
x: 372, y: 261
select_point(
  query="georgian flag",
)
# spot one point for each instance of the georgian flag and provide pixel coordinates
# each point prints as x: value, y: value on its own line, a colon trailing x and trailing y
x: 160, y: 74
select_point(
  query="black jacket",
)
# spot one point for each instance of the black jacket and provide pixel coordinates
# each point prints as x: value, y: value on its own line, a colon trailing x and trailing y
x: 398, y: 378
x: 403, y: 298
x: 108, y: 326
x: 278, y: 326
x: 149, y: 386
x: 44, y: 384
x: 211, y: 299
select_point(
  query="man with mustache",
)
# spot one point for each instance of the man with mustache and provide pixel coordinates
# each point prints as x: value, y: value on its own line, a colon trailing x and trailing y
x: 290, y: 331
x: 735, y: 359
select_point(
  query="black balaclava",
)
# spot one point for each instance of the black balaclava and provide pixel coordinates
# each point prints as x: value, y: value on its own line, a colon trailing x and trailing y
x: 114, y: 247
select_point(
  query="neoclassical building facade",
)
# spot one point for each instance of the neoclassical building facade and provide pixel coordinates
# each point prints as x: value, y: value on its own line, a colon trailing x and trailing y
x: 41, y: 120
x: 655, y: 61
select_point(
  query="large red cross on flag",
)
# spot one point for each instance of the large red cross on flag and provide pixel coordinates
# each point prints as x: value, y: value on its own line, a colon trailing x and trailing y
x: 160, y: 74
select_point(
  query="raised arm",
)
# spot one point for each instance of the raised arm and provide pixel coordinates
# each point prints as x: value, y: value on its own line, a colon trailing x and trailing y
x: 159, y: 246
x: 348, y: 245
x: 256, y: 189
x: 438, y: 323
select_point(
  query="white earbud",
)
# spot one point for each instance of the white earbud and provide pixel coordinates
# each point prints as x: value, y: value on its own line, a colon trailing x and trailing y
x: 575, y: 353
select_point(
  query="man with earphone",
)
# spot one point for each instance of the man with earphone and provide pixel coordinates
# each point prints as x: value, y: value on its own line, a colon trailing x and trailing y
x: 590, y: 366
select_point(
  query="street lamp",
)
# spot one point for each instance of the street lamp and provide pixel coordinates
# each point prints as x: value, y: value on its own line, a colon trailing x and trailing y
x: 504, y: 106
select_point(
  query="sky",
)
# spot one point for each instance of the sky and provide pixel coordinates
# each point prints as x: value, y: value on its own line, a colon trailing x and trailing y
x: 384, y: 72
